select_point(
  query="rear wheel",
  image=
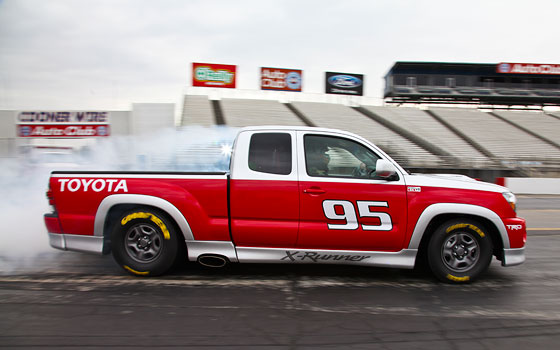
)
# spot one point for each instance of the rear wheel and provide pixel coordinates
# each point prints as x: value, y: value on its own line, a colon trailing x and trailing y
x: 459, y: 251
x: 144, y: 242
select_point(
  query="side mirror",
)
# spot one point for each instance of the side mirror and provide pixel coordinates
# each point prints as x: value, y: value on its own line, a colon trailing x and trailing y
x: 385, y: 170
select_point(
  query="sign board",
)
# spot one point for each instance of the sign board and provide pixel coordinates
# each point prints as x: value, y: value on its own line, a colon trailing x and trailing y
x: 213, y: 75
x: 62, y: 124
x: 344, y: 83
x: 528, y: 68
x: 281, y: 79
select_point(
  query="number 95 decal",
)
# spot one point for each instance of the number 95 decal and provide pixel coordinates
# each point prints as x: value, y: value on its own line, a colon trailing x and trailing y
x: 349, y: 214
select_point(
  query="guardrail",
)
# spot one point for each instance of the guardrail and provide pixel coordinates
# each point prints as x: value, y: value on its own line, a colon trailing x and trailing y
x: 525, y: 165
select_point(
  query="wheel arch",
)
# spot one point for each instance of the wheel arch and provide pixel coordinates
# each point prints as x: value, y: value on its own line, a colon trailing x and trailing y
x: 112, y: 206
x: 435, y: 215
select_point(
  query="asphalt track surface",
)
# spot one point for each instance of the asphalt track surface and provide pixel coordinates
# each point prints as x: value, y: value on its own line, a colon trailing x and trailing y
x: 73, y: 300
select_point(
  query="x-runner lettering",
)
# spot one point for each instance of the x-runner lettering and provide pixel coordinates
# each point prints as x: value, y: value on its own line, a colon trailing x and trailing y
x: 315, y: 257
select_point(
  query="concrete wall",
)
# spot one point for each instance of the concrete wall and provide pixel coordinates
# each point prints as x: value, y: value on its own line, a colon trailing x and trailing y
x: 7, y: 133
x: 531, y: 185
x: 7, y: 124
x: 144, y: 117
x: 147, y: 117
x: 120, y: 122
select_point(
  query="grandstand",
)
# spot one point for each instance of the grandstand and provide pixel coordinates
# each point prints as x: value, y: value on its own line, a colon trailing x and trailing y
x: 476, y: 83
x: 427, y: 127
x: 453, y: 139
x: 342, y: 117
x: 240, y: 112
x: 197, y: 110
x: 539, y: 124
x: 497, y: 137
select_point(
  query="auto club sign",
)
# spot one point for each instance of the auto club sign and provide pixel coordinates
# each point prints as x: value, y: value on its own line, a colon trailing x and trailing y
x: 213, y: 75
x: 62, y: 124
x: 528, y: 68
x: 281, y: 79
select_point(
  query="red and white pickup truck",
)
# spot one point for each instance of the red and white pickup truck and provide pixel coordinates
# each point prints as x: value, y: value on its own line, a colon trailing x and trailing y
x: 292, y: 195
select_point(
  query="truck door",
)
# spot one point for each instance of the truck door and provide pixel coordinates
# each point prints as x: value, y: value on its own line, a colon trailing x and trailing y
x: 264, y: 193
x: 343, y: 206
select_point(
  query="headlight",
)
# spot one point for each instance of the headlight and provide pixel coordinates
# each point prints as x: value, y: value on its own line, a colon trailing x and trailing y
x: 510, y: 198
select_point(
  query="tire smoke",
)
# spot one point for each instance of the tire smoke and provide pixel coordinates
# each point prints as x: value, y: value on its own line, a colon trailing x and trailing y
x: 24, y: 181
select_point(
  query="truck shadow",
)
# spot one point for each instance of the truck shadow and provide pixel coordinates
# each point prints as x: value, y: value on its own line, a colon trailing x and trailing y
x: 79, y: 264
x: 320, y: 271
x: 281, y: 271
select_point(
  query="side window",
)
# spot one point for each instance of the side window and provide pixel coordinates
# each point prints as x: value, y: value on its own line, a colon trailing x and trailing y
x: 328, y: 156
x: 271, y: 153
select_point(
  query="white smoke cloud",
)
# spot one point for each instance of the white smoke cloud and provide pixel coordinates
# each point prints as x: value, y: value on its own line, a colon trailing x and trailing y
x: 24, y: 180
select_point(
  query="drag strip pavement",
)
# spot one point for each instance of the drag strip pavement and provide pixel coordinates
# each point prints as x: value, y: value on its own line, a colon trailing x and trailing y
x: 283, y: 306
x: 70, y: 300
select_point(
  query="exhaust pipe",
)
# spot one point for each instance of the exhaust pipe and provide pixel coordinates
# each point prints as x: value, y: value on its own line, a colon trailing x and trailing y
x: 212, y: 260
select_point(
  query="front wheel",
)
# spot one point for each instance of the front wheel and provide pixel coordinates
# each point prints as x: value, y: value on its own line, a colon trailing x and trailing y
x: 459, y: 251
x: 144, y: 242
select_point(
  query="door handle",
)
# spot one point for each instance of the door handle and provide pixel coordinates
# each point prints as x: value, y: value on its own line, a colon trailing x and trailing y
x: 314, y: 190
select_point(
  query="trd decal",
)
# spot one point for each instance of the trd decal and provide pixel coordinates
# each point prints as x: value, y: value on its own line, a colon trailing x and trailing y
x: 315, y: 257
x: 349, y: 215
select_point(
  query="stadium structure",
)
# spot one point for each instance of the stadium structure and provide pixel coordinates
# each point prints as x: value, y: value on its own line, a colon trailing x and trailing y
x: 508, y: 84
x: 483, y: 137
x: 483, y: 144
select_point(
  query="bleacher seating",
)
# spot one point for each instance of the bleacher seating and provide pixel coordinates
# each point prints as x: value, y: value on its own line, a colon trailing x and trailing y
x: 245, y: 112
x: 425, y: 126
x: 342, y: 117
x: 537, y: 122
x: 507, y: 143
x: 197, y: 111
x: 502, y: 139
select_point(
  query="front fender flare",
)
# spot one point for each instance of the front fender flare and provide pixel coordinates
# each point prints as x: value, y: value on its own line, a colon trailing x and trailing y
x: 455, y: 208
x: 110, y: 201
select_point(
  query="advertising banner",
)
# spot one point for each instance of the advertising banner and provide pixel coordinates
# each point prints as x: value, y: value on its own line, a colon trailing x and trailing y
x: 528, y: 68
x: 281, y: 79
x: 62, y: 124
x: 50, y: 130
x: 213, y: 75
x: 344, y: 84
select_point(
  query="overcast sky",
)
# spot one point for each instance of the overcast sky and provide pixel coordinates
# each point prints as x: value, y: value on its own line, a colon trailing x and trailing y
x: 107, y: 54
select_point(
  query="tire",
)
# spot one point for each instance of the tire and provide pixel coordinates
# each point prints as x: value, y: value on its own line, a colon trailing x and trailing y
x: 144, y: 242
x: 459, y: 251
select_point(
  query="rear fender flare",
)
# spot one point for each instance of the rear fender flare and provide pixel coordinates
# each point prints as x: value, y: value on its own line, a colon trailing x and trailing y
x: 455, y: 208
x: 110, y: 201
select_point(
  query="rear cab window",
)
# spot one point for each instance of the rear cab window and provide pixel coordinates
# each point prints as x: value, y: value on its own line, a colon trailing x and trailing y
x: 271, y: 153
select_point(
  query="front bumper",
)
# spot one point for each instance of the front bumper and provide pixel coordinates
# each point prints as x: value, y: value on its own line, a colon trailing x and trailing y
x: 516, y: 229
x: 514, y: 256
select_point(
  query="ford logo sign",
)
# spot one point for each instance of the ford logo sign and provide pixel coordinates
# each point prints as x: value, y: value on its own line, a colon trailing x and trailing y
x: 345, y: 81
x: 293, y: 80
x: 25, y: 130
x: 101, y: 131
x: 504, y: 68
